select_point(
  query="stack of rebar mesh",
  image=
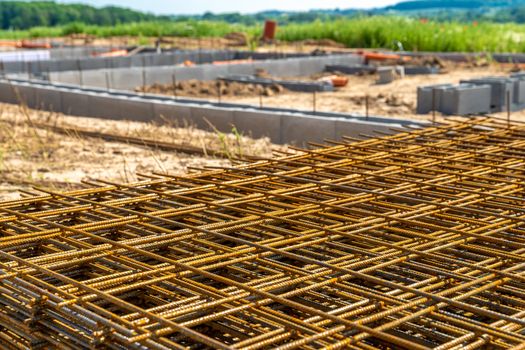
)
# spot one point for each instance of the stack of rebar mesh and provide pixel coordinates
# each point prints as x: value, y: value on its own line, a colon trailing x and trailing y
x: 414, y: 240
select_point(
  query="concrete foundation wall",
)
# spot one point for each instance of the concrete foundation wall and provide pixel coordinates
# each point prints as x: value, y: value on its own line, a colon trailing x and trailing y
x: 280, y: 125
x: 68, y: 59
x: 130, y: 78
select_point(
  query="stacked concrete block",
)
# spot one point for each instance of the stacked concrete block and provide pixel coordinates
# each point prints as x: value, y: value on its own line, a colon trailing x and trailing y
x: 430, y: 97
x: 501, y: 87
x: 463, y: 99
x: 519, y: 89
x: 466, y: 99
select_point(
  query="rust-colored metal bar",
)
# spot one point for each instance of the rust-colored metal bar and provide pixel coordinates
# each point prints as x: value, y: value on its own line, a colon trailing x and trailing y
x: 413, y: 240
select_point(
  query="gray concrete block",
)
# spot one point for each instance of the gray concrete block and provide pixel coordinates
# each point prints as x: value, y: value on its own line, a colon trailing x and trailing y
x: 8, y: 93
x: 421, y: 70
x: 70, y: 77
x: 241, y: 68
x: 425, y: 95
x: 258, y: 124
x: 212, y: 72
x: 355, y: 128
x: 309, y: 66
x: 49, y: 99
x: 123, y: 79
x: 290, y: 67
x: 95, y: 78
x: 136, y: 109
x: 386, y: 75
x: 25, y: 94
x: 351, y: 69
x: 104, y: 106
x: 466, y: 99
x: 172, y: 113
x: 75, y: 102
x: 298, y: 129
x: 220, y: 118
x: 519, y: 91
x: 500, y: 87
x: 183, y: 73
x: 160, y: 75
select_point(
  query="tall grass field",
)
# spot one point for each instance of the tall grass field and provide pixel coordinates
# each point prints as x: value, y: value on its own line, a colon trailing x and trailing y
x: 365, y: 32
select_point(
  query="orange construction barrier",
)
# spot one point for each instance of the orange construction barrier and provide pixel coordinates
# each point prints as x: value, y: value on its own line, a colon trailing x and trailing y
x: 34, y: 45
x: 380, y: 56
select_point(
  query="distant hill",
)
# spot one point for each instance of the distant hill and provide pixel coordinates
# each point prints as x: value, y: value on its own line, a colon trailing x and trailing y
x: 25, y: 14
x: 452, y: 4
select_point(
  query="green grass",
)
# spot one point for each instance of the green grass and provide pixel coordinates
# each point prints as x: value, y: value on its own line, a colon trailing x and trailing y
x: 365, y: 32
x: 386, y: 32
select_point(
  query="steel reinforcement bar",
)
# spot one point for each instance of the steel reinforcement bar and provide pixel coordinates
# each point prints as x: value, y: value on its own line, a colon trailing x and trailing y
x: 414, y: 240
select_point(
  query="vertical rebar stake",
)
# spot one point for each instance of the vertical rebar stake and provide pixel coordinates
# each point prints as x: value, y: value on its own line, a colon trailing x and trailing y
x: 219, y: 91
x: 174, y: 81
x: 508, y: 109
x: 260, y: 99
x: 315, y: 101
x: 107, y: 81
x: 80, y: 76
x: 367, y: 106
x: 143, y: 74
x: 433, y: 106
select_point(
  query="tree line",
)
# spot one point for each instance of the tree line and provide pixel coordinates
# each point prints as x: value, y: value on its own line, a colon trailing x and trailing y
x: 25, y: 15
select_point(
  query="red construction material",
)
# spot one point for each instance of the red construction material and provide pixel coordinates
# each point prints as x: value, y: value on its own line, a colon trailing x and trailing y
x: 270, y: 28
x: 24, y: 44
x: 34, y: 45
x: 380, y: 56
x: 336, y: 80
x: 339, y: 81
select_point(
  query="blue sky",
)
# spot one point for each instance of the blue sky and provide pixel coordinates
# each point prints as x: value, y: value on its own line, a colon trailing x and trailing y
x: 244, y: 6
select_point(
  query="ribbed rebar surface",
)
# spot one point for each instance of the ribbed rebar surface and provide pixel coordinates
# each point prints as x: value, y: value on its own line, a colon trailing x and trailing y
x: 415, y: 240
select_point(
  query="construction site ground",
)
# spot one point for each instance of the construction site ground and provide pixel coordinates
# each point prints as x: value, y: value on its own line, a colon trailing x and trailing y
x: 398, y: 99
x: 32, y: 155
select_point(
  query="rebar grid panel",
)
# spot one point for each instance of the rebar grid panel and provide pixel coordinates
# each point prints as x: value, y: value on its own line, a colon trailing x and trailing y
x: 414, y: 240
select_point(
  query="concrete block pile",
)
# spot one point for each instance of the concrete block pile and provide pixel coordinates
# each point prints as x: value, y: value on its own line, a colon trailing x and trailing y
x: 474, y: 96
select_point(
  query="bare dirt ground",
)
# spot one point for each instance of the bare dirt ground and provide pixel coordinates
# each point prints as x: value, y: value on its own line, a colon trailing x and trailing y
x: 36, y: 156
x: 212, y: 89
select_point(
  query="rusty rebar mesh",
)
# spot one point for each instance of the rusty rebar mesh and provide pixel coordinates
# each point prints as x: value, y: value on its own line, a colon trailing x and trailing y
x: 414, y: 240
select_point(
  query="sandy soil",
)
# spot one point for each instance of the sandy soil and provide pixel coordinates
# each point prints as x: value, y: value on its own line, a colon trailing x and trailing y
x: 214, y: 88
x: 31, y: 155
